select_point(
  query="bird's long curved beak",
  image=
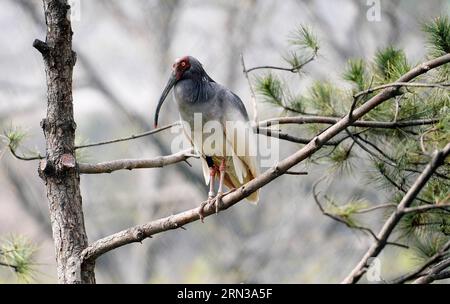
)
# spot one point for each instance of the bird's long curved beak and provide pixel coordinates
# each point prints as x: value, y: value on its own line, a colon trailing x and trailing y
x: 166, y: 91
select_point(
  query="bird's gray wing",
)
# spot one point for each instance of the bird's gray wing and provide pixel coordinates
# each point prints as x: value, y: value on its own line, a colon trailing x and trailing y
x: 237, y: 102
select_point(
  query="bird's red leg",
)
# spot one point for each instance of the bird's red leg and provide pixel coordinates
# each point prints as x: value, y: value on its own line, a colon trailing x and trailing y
x: 212, y: 176
x: 218, y: 201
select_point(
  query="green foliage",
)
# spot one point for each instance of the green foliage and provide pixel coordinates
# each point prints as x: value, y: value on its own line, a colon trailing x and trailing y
x: 341, y: 160
x: 270, y: 88
x: 356, y: 73
x: 438, y: 36
x: 304, y: 38
x: 322, y: 98
x: 427, y: 247
x: 19, y: 253
x: 14, y: 136
x: 346, y: 211
x: 305, y: 47
x: 390, y: 64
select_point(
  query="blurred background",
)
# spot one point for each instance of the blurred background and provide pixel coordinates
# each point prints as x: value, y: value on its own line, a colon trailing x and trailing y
x: 125, y: 52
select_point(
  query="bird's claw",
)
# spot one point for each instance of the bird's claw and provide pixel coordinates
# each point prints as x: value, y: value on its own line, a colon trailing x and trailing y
x: 216, y: 201
x: 201, y: 210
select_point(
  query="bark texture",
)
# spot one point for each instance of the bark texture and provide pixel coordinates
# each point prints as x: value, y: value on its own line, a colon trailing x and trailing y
x: 58, y: 169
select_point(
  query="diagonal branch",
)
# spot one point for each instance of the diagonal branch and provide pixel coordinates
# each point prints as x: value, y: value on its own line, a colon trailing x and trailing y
x: 140, y: 232
x: 435, y: 273
x: 394, y: 219
x: 431, y: 261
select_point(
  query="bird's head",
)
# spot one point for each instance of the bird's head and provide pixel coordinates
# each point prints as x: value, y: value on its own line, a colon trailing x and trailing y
x: 186, y: 67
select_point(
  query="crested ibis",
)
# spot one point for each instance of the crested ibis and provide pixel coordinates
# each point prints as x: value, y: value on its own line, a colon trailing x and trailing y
x: 232, y: 155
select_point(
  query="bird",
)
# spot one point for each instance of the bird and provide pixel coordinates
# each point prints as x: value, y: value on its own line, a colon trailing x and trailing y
x: 233, y: 155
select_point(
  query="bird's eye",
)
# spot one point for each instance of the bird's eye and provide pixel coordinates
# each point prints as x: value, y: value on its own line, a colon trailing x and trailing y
x: 183, y: 63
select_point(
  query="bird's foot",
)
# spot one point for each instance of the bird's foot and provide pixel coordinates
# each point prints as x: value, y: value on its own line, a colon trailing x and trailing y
x: 212, y: 200
x: 218, y: 201
x: 209, y: 201
x: 201, y: 211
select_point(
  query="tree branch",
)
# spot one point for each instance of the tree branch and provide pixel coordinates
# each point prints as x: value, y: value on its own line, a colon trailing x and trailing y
x: 294, y: 69
x: 130, y: 164
x: 435, y: 258
x: 393, y: 220
x: 134, y: 136
x: 9, y: 265
x: 434, y: 273
x: 359, y: 123
x: 425, y: 208
x: 140, y: 232
x: 23, y: 157
x: 399, y: 84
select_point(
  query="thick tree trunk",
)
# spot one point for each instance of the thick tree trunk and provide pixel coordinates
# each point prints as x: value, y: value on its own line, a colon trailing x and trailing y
x: 58, y: 169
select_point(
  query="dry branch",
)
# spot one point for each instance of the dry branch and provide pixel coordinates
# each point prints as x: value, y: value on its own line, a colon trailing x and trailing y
x: 130, y: 164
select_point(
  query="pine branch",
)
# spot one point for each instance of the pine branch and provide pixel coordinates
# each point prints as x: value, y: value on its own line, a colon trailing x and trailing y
x: 431, y: 261
x: 435, y: 273
x: 346, y: 222
x: 359, y: 123
x: 294, y: 69
x: 394, y: 219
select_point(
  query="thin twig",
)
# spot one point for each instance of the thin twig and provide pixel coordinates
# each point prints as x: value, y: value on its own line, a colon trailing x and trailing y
x: 404, y: 84
x: 370, y: 209
x: 422, y: 144
x: 252, y: 92
x: 306, y: 119
x: 128, y: 137
x: 22, y: 157
x: 343, y: 221
x: 425, y: 208
x: 9, y: 265
x: 294, y: 69
x: 288, y: 137
x: 296, y: 173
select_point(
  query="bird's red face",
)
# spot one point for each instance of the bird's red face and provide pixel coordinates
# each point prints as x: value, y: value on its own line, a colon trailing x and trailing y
x: 180, y: 66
